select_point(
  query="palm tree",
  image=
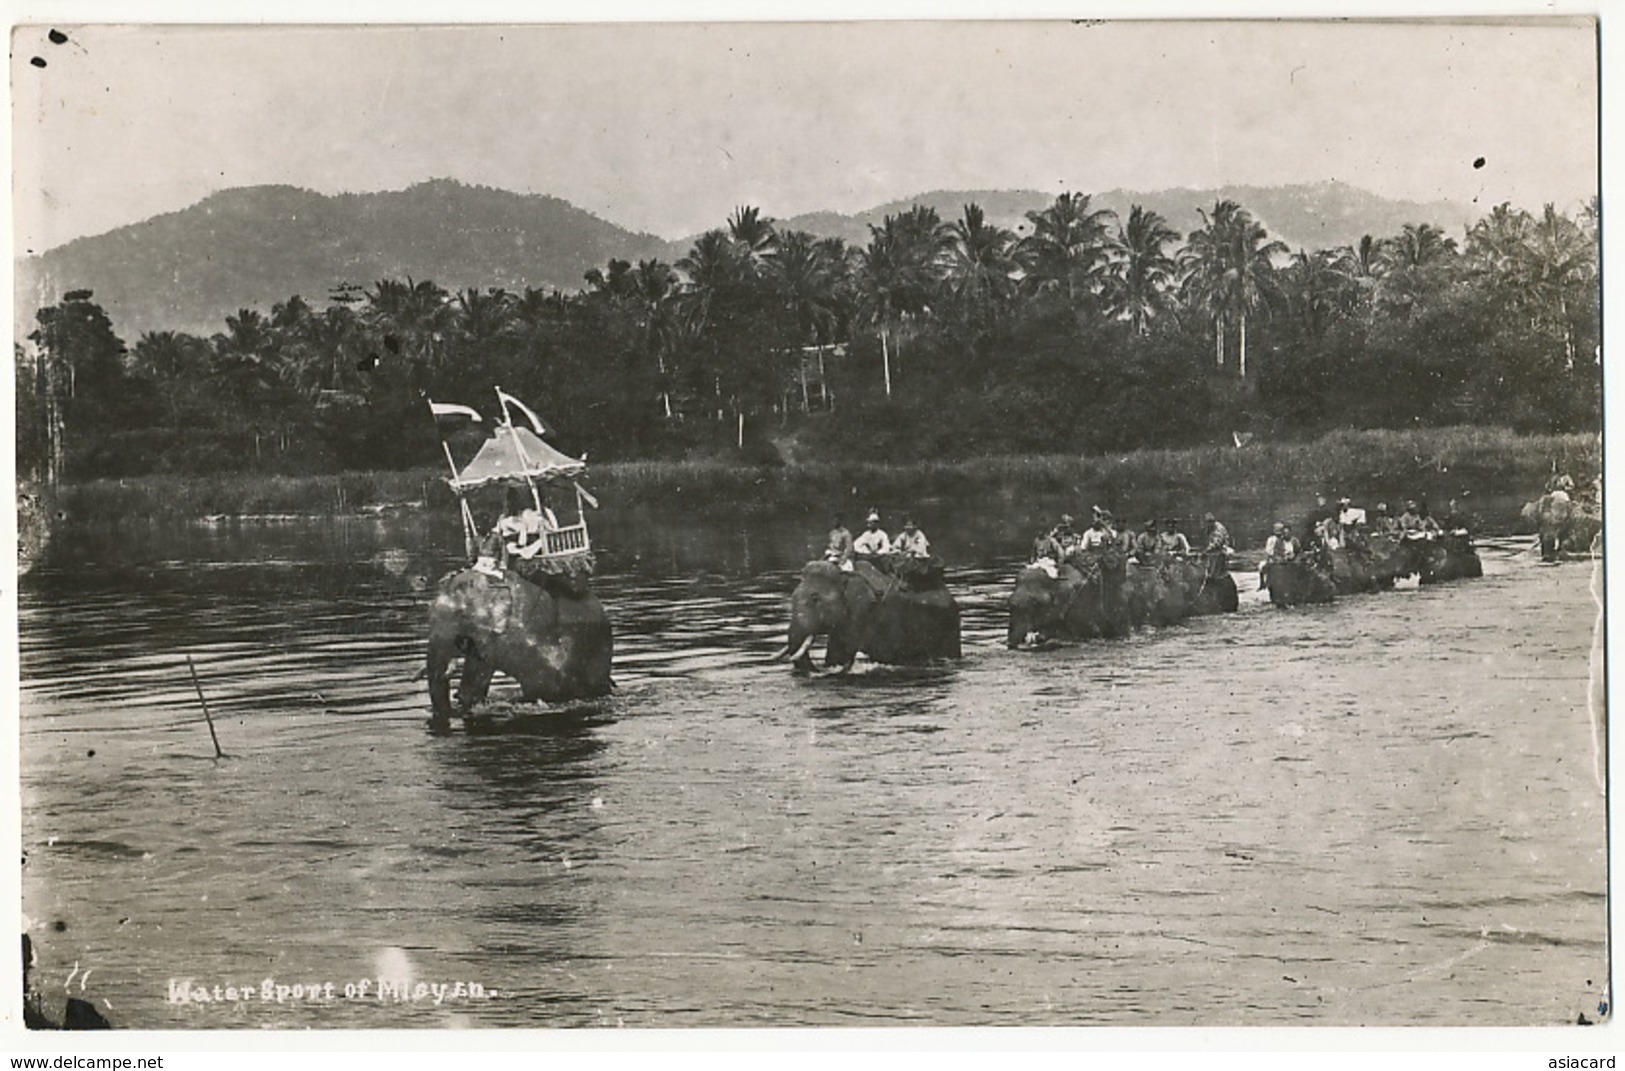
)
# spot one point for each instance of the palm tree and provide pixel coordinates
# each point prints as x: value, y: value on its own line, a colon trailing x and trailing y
x: 1416, y: 246
x: 1561, y: 260
x: 1315, y: 289
x: 166, y: 357
x: 247, y: 341
x: 898, y: 273
x: 655, y: 286
x: 337, y: 340
x: 617, y: 283
x: 755, y: 234
x: 982, y: 267
x: 1495, y: 244
x: 714, y: 267
x: 483, y: 318
x: 715, y: 295
x: 1362, y: 266
x: 412, y: 317
x: 1414, y: 264
x: 1067, y: 250
x: 1140, y: 271
x: 804, y: 278
x: 245, y: 356
x: 1229, y: 271
x: 1591, y: 216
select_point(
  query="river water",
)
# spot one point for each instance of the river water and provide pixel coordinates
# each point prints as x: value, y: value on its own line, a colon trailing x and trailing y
x: 1384, y: 811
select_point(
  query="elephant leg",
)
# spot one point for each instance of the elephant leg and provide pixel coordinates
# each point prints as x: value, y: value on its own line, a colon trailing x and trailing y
x: 840, y: 654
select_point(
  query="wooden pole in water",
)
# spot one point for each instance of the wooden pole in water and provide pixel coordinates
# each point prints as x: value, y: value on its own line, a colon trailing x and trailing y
x: 205, y: 705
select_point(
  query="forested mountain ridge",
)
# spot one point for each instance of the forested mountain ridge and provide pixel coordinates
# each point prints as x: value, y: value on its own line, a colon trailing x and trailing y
x: 1308, y: 215
x: 251, y: 246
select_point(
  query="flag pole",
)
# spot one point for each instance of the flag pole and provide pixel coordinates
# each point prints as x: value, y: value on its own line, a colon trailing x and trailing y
x: 471, y: 536
x: 524, y: 461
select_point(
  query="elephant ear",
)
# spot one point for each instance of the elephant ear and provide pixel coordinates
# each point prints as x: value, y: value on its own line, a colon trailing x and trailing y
x: 486, y: 605
x: 858, y: 591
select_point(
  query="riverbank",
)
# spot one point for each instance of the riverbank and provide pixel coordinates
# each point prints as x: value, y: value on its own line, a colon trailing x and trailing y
x: 1490, y: 471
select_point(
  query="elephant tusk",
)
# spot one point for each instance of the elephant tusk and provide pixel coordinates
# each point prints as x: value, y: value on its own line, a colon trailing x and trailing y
x: 778, y: 656
x: 806, y: 645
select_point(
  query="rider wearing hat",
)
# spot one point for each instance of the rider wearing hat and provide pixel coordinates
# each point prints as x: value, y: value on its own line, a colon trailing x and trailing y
x: 1280, y: 546
x: 1098, y: 534
x: 872, y: 541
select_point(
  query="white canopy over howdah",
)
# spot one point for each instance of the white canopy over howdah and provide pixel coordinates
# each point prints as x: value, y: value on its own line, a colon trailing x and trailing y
x: 515, y: 456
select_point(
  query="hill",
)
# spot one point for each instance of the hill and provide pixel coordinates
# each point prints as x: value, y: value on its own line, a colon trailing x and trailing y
x: 252, y: 246
x: 1312, y: 216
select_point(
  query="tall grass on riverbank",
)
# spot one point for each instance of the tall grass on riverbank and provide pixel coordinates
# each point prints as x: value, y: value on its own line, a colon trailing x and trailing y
x: 1440, y: 463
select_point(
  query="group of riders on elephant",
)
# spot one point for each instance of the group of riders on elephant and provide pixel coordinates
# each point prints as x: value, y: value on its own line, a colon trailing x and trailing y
x: 1104, y: 593
x: 1340, y: 554
x: 1567, y: 522
x: 893, y: 609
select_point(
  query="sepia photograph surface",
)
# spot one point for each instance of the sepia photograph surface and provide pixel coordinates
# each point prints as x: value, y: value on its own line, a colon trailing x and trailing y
x: 845, y: 524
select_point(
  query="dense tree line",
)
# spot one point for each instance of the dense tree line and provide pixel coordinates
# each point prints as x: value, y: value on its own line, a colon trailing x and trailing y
x: 1087, y: 333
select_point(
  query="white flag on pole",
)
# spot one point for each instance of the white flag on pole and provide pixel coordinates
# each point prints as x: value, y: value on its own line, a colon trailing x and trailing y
x: 535, y: 421
x: 445, y: 409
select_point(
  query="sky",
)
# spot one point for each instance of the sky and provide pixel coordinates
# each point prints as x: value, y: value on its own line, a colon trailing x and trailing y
x: 666, y: 128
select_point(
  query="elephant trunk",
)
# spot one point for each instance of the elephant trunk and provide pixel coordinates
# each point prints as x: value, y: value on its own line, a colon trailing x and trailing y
x: 798, y: 650
x: 1025, y: 615
x: 1017, y: 634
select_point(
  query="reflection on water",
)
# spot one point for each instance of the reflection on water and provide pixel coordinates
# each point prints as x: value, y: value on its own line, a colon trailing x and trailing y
x: 1380, y: 811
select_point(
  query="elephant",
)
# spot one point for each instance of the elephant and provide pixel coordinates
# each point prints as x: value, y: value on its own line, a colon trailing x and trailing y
x: 1566, y: 526
x: 550, y: 635
x: 868, y: 611
x: 1298, y: 580
x: 1373, y: 563
x: 1448, y: 557
x: 1154, y: 595
x: 1085, y: 597
x: 1166, y: 593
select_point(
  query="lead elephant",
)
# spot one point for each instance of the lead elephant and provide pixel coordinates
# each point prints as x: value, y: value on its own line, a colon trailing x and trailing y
x: 871, y: 612
x: 1373, y: 563
x: 1448, y: 557
x: 1565, y: 525
x: 1298, y: 581
x: 1083, y: 598
x: 551, y: 636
